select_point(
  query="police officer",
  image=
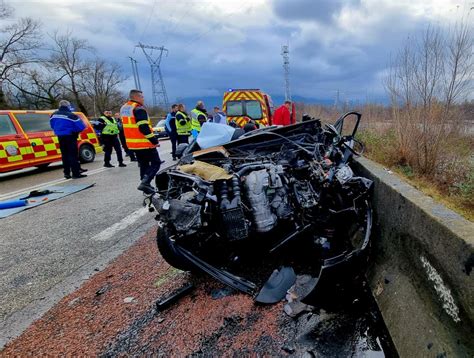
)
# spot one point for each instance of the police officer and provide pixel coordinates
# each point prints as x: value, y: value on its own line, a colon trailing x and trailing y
x: 140, y: 138
x: 183, y: 124
x: 198, y: 117
x: 110, y: 131
x: 67, y: 126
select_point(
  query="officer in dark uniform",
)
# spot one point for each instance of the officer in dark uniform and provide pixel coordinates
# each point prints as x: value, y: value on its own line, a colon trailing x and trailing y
x: 67, y: 126
x: 110, y: 131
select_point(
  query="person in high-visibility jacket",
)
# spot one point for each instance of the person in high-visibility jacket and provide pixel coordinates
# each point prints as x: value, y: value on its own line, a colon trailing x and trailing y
x: 109, y: 133
x: 183, y: 124
x: 140, y: 138
x: 198, y: 117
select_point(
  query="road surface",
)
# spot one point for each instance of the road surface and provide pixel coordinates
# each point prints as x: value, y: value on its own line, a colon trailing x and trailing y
x: 48, y: 251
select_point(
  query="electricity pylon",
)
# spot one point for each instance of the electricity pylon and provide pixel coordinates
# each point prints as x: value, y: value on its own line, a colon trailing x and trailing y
x: 160, y: 98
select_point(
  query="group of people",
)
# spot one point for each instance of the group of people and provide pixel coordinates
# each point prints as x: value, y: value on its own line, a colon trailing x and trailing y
x: 179, y: 125
x: 133, y: 126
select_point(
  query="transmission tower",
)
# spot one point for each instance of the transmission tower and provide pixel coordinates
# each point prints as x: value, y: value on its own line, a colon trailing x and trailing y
x: 160, y: 98
x: 136, y: 77
x: 285, y: 52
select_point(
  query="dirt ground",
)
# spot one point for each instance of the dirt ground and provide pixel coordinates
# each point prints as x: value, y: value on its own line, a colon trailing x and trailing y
x: 114, y: 314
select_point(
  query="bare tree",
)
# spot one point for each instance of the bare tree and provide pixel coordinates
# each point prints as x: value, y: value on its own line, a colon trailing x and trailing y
x: 426, y: 78
x: 19, y: 43
x: 460, y: 64
x: 101, y: 84
x: 38, y: 85
x: 68, y: 56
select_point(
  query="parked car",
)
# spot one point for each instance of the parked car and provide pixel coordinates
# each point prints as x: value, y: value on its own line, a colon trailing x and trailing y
x: 26, y: 140
x: 160, y: 130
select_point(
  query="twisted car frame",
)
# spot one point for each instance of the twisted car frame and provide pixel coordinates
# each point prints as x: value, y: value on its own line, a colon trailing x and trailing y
x: 266, y: 205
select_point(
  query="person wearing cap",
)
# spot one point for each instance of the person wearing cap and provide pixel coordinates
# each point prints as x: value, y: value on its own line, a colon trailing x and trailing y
x: 219, y: 116
x: 110, y: 130
x: 198, y: 117
x: 67, y: 126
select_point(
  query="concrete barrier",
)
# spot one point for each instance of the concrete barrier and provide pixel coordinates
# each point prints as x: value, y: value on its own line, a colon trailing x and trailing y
x: 422, y: 273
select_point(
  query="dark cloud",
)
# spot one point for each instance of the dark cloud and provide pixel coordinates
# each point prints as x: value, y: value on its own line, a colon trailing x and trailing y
x: 313, y: 10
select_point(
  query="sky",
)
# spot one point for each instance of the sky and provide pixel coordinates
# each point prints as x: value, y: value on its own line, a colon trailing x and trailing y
x: 335, y: 46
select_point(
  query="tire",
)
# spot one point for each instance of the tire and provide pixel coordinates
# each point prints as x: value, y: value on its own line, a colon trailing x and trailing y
x: 86, y: 153
x: 168, y: 252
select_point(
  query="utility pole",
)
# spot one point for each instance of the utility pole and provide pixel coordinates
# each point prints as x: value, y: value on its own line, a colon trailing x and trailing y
x: 160, y: 98
x: 285, y: 52
x: 136, y: 77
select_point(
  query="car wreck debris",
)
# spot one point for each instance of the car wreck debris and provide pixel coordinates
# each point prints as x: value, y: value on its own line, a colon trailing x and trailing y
x: 278, y: 196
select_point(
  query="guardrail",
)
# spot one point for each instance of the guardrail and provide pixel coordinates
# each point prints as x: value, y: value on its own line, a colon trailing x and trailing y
x: 422, y: 273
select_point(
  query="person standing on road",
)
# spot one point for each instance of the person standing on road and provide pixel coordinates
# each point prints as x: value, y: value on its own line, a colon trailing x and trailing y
x: 282, y: 115
x: 170, y: 125
x: 198, y: 117
x: 141, y: 139
x: 183, y: 124
x: 67, y: 126
x: 219, y: 116
x: 128, y: 152
x: 110, y: 131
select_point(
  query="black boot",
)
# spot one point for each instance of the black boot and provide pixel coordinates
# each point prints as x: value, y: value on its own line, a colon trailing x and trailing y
x: 145, y: 186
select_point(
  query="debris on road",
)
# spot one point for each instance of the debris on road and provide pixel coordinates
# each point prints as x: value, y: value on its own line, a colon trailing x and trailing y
x: 83, y: 324
x: 163, y: 304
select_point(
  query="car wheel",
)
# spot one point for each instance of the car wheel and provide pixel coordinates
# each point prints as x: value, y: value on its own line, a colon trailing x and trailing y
x: 86, y: 153
x: 168, y: 251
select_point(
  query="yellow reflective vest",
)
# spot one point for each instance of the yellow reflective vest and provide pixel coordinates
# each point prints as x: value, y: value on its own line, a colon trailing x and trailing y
x: 183, y: 126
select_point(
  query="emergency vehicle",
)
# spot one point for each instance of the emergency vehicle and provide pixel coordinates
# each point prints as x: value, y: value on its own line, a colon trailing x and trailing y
x: 26, y: 140
x: 241, y: 105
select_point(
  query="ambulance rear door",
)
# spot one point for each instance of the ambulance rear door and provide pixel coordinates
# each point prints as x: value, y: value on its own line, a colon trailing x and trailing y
x: 15, y: 149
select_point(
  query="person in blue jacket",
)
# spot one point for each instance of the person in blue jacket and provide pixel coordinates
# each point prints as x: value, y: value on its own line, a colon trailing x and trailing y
x: 67, y: 126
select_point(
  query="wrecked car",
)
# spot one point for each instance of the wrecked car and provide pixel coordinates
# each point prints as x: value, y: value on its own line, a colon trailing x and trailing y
x: 265, y: 205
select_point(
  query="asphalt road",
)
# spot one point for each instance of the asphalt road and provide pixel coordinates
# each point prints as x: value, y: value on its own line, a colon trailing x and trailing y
x: 48, y: 251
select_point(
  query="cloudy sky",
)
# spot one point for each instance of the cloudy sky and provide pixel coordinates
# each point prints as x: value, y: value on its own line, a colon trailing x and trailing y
x: 335, y: 45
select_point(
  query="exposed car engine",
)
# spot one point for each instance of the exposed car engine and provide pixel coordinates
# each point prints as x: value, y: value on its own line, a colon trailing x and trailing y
x: 285, y: 192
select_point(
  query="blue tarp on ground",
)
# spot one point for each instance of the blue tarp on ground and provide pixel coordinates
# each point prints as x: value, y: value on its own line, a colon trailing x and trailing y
x: 59, y: 192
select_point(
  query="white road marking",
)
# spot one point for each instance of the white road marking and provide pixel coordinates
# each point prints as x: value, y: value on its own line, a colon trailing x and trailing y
x: 52, y: 182
x: 122, y: 224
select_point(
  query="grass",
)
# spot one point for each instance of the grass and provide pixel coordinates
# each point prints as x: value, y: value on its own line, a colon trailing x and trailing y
x: 453, y: 183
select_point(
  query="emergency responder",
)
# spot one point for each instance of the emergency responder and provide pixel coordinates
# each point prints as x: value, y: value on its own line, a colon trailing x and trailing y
x: 183, y: 124
x: 282, y: 115
x: 67, y: 126
x: 140, y: 138
x: 110, y: 130
x: 128, y: 152
x: 170, y: 125
x: 198, y: 117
